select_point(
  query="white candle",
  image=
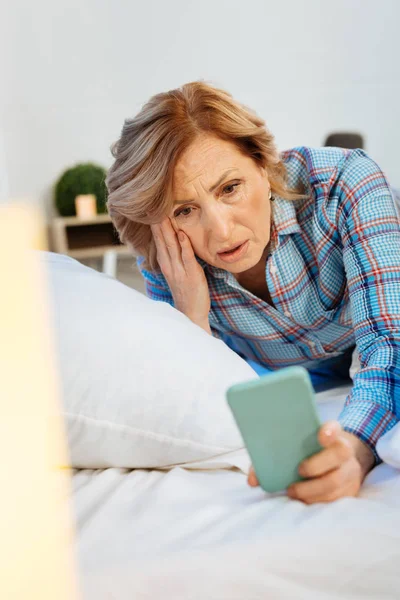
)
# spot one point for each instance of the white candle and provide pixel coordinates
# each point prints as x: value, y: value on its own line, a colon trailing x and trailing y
x: 85, y: 206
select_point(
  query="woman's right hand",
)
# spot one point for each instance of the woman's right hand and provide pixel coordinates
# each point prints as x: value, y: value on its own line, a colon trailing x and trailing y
x: 184, y: 275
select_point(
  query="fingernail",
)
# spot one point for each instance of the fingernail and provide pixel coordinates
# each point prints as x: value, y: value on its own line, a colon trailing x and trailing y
x: 252, y: 479
x: 181, y: 236
x: 328, y: 432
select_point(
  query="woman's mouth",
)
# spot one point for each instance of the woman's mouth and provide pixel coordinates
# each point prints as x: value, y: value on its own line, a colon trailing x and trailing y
x: 235, y: 254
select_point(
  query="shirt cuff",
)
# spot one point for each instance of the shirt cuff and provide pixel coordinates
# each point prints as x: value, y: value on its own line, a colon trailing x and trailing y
x: 368, y: 421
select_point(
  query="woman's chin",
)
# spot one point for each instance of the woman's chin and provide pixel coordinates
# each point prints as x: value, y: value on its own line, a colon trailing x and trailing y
x: 240, y: 266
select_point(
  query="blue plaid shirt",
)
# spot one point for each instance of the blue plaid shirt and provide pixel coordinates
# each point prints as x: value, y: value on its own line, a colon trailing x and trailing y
x: 334, y: 277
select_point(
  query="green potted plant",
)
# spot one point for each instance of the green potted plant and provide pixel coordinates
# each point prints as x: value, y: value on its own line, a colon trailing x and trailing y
x: 85, y: 178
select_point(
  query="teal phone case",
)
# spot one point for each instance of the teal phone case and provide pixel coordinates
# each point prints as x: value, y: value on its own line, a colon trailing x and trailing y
x: 278, y: 420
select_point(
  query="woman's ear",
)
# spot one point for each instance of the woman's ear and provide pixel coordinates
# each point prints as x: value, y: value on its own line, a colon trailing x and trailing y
x: 264, y: 174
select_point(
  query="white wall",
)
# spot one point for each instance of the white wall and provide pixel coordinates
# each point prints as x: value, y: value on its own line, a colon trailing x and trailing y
x: 4, y: 194
x: 73, y: 70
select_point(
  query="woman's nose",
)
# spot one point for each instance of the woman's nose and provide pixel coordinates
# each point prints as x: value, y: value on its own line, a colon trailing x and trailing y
x: 219, y: 225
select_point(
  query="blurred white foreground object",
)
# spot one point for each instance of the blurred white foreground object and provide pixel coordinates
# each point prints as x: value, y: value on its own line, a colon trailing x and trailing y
x: 35, y: 524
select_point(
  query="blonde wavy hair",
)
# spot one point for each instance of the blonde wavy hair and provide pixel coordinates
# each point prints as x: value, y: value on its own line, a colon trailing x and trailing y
x: 140, y: 180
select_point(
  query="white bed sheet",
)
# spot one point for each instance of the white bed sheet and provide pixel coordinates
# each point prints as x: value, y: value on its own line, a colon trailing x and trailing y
x: 204, y: 534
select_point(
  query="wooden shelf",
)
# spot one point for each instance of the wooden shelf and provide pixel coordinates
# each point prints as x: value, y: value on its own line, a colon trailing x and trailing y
x: 95, y: 252
x: 79, y: 221
x: 86, y: 238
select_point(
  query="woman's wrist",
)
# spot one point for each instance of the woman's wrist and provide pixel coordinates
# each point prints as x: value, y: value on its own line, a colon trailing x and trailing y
x: 363, y: 453
x: 204, y: 325
x: 202, y: 322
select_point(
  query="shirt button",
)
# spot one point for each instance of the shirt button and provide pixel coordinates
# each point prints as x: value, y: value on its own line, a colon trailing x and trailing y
x: 312, y: 344
x: 273, y: 269
x: 287, y: 313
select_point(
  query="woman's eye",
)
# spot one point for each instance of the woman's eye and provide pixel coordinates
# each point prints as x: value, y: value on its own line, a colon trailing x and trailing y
x: 183, y: 212
x: 230, y: 189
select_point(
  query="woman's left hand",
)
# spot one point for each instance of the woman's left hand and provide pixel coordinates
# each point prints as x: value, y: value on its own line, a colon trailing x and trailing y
x: 338, y: 470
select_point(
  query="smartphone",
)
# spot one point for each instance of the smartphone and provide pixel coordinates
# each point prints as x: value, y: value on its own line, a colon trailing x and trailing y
x: 278, y: 421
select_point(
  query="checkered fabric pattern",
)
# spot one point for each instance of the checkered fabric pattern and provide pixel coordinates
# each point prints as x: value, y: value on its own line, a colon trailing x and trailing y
x: 334, y: 278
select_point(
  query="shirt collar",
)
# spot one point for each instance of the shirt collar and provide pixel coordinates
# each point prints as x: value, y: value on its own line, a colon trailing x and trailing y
x: 284, y: 216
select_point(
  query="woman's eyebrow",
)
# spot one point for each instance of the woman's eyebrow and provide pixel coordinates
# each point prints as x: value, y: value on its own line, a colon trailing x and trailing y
x: 212, y: 188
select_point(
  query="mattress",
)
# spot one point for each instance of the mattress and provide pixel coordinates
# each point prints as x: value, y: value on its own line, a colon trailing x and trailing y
x: 201, y: 532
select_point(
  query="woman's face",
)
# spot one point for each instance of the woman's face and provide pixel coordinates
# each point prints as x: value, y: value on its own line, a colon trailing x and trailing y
x: 222, y: 201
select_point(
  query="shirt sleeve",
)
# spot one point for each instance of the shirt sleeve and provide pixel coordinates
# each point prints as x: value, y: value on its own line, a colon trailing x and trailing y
x: 156, y: 285
x: 369, y: 230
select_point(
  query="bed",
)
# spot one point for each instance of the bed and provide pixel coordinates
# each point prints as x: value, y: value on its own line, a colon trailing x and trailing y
x: 192, y: 531
x: 200, y: 532
x: 160, y: 501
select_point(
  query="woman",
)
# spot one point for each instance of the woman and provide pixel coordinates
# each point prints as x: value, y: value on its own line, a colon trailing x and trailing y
x: 291, y: 258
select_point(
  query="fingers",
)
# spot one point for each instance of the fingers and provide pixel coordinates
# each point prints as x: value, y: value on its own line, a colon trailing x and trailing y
x: 168, y: 248
x: 162, y: 252
x: 341, y: 482
x: 332, y: 473
x: 170, y: 241
x: 329, y: 433
x: 307, y: 491
x: 328, y: 459
x: 252, y: 478
x: 174, y: 248
x: 188, y: 255
x: 184, y: 275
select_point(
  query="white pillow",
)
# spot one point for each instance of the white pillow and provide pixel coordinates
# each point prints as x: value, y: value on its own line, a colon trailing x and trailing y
x: 142, y: 386
x: 388, y: 447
